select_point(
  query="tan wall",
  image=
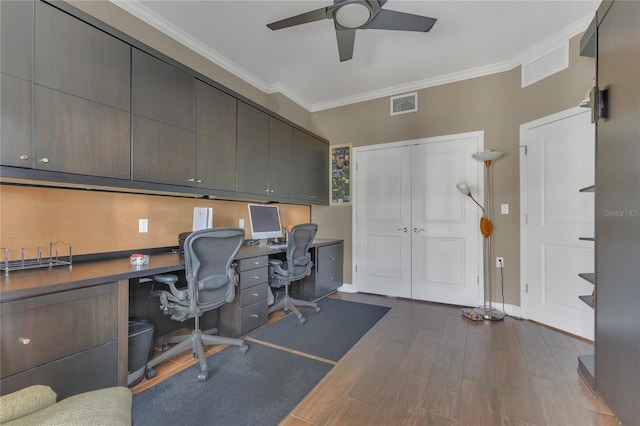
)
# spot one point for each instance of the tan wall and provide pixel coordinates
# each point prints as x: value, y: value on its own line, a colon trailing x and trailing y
x: 96, y: 222
x: 495, y: 104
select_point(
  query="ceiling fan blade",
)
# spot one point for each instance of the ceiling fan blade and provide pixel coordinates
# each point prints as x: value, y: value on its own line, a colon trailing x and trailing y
x: 346, y: 39
x: 392, y: 20
x: 304, y: 18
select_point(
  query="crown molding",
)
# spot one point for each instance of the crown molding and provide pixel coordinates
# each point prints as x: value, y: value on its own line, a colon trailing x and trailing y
x: 553, y: 42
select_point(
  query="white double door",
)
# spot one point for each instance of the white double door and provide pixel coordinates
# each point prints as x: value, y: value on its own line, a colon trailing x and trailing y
x: 415, y: 234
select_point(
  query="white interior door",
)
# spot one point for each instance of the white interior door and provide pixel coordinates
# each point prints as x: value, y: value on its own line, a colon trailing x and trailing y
x: 446, y: 239
x: 382, y: 240
x: 415, y: 235
x: 559, y: 161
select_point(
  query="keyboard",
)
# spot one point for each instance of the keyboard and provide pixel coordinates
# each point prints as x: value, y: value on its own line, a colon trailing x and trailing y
x: 278, y: 246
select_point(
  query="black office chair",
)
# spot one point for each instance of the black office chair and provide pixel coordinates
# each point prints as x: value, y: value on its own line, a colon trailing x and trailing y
x: 211, y: 282
x: 297, y: 266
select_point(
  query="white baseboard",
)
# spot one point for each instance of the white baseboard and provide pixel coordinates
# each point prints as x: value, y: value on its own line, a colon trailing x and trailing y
x: 347, y: 288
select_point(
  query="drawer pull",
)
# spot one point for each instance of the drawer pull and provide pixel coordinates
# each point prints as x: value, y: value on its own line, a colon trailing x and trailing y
x: 333, y: 258
x: 256, y: 278
x: 24, y: 340
x: 255, y: 294
x: 254, y: 316
x: 256, y: 262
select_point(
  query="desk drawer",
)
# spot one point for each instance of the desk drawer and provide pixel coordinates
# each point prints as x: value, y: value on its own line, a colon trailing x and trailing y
x: 253, y: 295
x: 253, y: 277
x: 42, y: 329
x: 253, y: 263
x: 253, y: 316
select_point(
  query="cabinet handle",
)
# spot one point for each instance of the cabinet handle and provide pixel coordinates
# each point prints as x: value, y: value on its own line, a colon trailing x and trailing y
x: 199, y: 181
x: 254, y: 316
x: 416, y: 230
x: 24, y: 157
x: 44, y: 160
x: 266, y: 190
x: 24, y: 340
x: 191, y: 180
x: 271, y: 190
x: 333, y: 258
x: 403, y: 229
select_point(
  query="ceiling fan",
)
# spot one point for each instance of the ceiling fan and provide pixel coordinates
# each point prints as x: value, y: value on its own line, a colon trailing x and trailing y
x: 350, y: 15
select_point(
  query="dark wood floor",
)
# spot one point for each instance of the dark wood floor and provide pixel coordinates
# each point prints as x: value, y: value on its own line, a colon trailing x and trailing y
x: 425, y: 364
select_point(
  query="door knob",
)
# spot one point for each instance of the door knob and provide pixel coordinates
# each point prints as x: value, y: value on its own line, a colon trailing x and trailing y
x: 403, y: 229
x: 416, y: 230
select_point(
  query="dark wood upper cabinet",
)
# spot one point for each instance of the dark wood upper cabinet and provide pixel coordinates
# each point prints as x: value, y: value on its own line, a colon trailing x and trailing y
x: 253, y: 150
x: 311, y: 163
x: 280, y: 155
x: 15, y: 131
x: 215, y: 138
x: 161, y: 91
x: 76, y: 58
x: 16, y: 38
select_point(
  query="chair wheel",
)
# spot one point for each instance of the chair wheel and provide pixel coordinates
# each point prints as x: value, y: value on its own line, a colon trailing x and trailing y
x: 318, y: 309
x: 150, y: 373
x: 301, y: 321
x: 203, y: 376
x: 166, y: 347
x: 244, y: 349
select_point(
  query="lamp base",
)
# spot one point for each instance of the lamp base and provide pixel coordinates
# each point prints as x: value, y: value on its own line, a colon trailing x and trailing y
x: 489, y: 313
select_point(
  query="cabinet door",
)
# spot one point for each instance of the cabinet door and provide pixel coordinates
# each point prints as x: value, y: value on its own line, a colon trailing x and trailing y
x: 15, y: 131
x: 161, y: 91
x: 16, y: 39
x: 75, y: 135
x: 280, y: 156
x: 215, y: 138
x: 253, y: 150
x: 162, y: 153
x: 310, y: 157
x: 78, y: 59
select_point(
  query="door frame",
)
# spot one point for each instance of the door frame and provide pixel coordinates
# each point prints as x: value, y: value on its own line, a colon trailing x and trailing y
x: 421, y: 141
x: 524, y: 129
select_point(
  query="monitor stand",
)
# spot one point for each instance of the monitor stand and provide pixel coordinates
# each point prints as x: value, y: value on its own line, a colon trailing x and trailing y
x: 263, y: 242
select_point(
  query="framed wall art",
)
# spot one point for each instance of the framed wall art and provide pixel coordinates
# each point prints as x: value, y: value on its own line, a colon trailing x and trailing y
x: 340, y: 174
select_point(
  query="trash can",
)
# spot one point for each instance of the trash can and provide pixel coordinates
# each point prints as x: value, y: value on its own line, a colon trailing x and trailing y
x: 140, y: 349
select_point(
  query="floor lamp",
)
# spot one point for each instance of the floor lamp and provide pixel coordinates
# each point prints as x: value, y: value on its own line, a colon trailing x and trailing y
x: 487, y: 311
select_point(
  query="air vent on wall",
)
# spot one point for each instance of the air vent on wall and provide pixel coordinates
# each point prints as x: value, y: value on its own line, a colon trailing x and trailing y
x: 402, y: 104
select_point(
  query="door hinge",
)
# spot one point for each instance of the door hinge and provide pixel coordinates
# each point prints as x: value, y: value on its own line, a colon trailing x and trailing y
x: 478, y: 279
x: 526, y: 288
x: 356, y: 268
x: 526, y: 219
x: 526, y: 151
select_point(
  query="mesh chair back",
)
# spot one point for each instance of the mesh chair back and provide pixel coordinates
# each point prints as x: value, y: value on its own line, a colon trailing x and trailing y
x: 208, y: 256
x: 298, y: 256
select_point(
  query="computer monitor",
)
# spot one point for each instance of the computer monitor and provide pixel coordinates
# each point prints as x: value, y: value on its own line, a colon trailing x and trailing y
x: 265, y: 222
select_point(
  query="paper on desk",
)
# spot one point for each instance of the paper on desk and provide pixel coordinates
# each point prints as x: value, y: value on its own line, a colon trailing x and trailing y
x: 202, y: 218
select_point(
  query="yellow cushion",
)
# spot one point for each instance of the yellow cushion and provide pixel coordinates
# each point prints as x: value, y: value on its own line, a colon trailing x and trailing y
x: 25, y: 401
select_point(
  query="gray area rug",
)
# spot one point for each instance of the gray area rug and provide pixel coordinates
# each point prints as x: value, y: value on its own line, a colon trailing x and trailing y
x: 328, y: 334
x: 262, y: 386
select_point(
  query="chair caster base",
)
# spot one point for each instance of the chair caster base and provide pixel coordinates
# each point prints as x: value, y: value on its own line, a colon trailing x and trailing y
x: 318, y: 309
x: 150, y: 373
x: 166, y: 347
x: 244, y: 349
x: 203, y: 376
x: 301, y: 321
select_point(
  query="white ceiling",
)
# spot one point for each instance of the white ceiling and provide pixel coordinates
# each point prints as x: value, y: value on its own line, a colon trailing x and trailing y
x: 470, y: 38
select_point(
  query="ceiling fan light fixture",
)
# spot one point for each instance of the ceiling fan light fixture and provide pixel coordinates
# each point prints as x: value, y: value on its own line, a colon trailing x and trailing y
x: 352, y: 15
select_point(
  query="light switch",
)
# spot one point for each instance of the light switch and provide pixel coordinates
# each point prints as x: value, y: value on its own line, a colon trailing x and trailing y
x: 143, y: 225
x: 504, y: 208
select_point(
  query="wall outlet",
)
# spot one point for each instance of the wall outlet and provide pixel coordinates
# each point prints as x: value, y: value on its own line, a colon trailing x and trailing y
x: 504, y: 208
x: 240, y: 223
x: 499, y: 262
x: 143, y: 225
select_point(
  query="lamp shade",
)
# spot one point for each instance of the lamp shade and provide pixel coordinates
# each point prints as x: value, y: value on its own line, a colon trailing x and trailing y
x: 487, y: 155
x: 464, y: 188
x: 353, y: 15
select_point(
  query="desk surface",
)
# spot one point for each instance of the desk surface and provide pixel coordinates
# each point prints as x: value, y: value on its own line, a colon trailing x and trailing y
x: 36, y: 282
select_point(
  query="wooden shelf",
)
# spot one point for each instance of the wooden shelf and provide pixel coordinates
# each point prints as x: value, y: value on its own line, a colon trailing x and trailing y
x: 589, y: 300
x: 589, y: 276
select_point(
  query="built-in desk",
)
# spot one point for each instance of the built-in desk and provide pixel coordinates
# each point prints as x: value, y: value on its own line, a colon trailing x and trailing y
x: 68, y: 327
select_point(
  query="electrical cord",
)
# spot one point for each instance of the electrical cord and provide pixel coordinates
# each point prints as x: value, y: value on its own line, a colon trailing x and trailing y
x: 502, y: 289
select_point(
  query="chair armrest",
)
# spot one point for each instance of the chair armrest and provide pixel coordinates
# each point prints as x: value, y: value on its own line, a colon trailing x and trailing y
x: 25, y: 401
